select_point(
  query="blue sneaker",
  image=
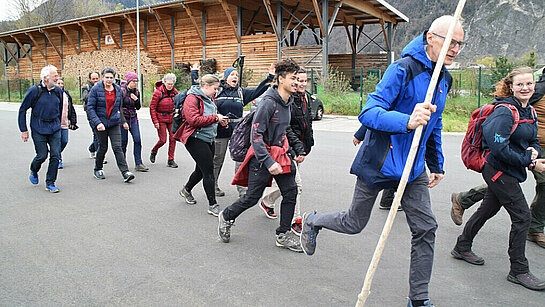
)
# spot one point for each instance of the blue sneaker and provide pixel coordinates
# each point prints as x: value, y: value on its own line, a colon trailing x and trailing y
x: 52, y: 188
x: 308, y: 235
x: 33, y: 177
x: 60, y: 164
x: 427, y: 303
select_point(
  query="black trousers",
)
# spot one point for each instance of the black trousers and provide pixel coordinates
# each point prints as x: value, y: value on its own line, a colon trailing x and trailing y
x: 258, y: 179
x: 114, y: 134
x: 504, y: 192
x: 203, y: 155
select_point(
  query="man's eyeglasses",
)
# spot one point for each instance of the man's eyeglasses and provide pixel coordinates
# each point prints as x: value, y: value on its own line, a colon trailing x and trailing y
x: 453, y: 42
x: 527, y: 84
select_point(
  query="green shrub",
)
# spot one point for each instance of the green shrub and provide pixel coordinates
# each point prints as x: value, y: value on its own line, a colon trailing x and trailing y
x: 334, y: 82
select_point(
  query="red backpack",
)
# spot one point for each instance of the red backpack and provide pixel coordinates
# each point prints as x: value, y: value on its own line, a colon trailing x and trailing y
x: 473, y: 154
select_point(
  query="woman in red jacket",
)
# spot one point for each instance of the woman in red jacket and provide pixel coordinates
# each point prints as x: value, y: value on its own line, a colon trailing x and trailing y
x: 198, y: 132
x: 161, y: 108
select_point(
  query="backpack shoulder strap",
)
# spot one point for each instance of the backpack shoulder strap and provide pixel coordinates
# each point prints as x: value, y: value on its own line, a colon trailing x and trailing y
x: 241, y: 95
x: 40, y: 91
x: 515, y: 112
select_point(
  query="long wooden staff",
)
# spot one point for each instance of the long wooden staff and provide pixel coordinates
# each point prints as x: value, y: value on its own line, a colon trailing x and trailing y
x: 362, y: 297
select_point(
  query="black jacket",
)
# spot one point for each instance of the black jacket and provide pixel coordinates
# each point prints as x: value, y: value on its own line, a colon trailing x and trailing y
x: 72, y: 116
x: 539, y: 90
x: 300, y: 133
x: 129, y: 106
x: 508, y: 151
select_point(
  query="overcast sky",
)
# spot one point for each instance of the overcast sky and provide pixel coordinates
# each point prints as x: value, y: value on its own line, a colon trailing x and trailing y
x: 6, y: 8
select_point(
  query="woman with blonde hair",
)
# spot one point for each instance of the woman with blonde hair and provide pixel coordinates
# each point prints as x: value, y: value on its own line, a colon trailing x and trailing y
x: 198, y: 132
x: 509, y: 153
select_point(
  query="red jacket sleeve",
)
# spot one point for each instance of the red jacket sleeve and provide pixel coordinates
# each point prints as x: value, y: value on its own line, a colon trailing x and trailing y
x: 153, y: 106
x: 192, y: 113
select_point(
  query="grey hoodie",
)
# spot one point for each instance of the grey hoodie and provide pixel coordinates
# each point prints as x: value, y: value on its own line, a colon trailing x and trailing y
x: 269, y: 125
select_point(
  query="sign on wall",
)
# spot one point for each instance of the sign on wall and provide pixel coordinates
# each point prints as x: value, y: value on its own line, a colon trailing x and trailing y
x: 109, y: 40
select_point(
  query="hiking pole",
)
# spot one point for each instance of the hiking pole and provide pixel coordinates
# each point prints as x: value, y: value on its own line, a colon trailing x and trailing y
x: 240, y: 63
x: 362, y: 297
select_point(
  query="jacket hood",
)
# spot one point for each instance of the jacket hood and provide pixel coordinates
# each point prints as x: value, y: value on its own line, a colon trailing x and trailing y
x: 272, y: 93
x: 196, y: 90
x: 159, y: 85
x: 417, y: 49
x: 510, y: 100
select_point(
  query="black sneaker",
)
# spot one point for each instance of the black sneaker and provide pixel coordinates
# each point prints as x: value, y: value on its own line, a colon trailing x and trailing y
x: 383, y: 207
x: 99, y: 174
x: 152, y: 156
x: 269, y: 212
x: 128, y: 176
x: 224, y: 228
x: 527, y: 280
x: 308, y: 235
x: 219, y: 192
x: 469, y: 257
x: 214, y: 210
x: 188, y: 196
x: 290, y: 241
x: 172, y: 163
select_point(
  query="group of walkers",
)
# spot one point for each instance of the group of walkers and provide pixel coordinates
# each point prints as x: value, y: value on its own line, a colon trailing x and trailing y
x: 281, y: 137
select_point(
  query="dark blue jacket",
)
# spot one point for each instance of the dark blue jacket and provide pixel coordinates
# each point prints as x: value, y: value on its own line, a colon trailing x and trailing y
x: 508, y: 151
x: 229, y: 101
x: 96, y: 106
x: 45, y: 115
x: 360, y: 134
x: 382, y: 156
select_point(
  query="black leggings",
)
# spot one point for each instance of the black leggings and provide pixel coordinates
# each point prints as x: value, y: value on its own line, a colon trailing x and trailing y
x: 203, y: 154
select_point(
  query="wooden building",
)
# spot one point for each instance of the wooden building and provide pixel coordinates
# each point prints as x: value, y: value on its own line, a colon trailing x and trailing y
x: 186, y: 31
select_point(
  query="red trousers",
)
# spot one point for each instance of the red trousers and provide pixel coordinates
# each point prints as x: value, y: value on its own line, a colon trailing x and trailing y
x: 164, y: 129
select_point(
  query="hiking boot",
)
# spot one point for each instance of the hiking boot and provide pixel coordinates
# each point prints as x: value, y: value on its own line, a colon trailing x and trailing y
x: 296, y: 227
x: 224, y: 228
x: 456, y: 211
x: 92, y: 154
x: 537, y: 237
x: 141, y: 168
x: 426, y: 303
x: 214, y: 209
x: 52, y: 188
x: 269, y: 212
x: 308, y: 235
x: 128, y: 176
x: 152, y: 156
x: 527, y: 280
x: 60, y: 164
x: 290, y: 241
x: 99, y: 174
x: 33, y: 177
x: 468, y: 256
x: 219, y: 192
x: 383, y: 207
x: 188, y: 196
x: 171, y: 163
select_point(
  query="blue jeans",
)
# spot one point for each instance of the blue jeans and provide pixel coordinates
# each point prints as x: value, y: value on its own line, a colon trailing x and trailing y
x: 94, y: 144
x: 44, y: 143
x: 135, y: 132
x: 64, y: 141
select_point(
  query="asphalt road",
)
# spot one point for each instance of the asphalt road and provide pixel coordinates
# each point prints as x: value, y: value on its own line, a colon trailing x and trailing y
x: 111, y: 243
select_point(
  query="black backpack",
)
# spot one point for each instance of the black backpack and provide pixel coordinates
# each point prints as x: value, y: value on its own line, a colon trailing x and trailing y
x: 240, y: 140
x: 177, y: 112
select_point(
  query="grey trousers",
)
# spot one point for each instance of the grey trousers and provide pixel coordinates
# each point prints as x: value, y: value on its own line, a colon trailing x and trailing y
x: 474, y: 195
x: 417, y: 206
x: 220, y: 149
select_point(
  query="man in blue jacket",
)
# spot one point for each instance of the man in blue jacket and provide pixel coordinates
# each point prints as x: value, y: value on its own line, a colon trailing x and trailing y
x: 45, y: 123
x: 391, y: 114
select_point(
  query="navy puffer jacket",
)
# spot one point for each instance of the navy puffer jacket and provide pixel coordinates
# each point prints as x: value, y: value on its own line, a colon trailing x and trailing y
x: 96, y: 106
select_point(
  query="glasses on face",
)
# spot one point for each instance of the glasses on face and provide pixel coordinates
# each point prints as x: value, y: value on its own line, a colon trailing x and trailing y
x: 453, y: 42
x: 527, y: 84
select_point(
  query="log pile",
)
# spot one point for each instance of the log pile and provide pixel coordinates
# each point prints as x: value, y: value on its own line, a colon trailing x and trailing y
x: 122, y: 60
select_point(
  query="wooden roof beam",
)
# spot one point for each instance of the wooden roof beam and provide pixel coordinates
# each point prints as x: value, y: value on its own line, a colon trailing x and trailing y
x: 88, y: 35
x: 35, y: 44
x: 291, y: 16
x: 9, y: 50
x: 352, y: 45
x: 51, y: 42
x: 162, y: 27
x: 225, y: 7
x: 269, y: 10
x: 370, y: 9
x: 131, y: 23
x: 194, y: 22
x: 385, y: 36
x: 319, y: 16
x: 70, y: 42
x: 110, y: 32
x: 22, y: 47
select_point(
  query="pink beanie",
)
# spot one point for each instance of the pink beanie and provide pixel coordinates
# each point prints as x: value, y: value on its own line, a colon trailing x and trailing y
x: 131, y: 76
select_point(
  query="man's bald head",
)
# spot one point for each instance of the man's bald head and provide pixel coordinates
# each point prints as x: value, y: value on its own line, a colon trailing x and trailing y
x: 436, y: 37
